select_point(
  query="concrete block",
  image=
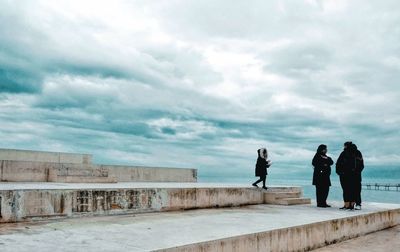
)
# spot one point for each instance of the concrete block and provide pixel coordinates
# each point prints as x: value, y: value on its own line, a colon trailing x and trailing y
x: 27, y: 171
x: 299, y: 238
x: 20, y: 205
x: 151, y: 174
x: 44, y: 156
x: 293, y: 201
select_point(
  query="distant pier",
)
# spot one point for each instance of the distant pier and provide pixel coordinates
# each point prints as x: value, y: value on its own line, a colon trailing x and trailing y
x: 382, y: 186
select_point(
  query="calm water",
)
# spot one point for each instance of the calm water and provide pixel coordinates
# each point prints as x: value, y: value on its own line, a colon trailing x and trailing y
x: 304, y: 180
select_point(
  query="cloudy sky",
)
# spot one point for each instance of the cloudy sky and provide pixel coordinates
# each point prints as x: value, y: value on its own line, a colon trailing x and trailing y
x: 201, y: 83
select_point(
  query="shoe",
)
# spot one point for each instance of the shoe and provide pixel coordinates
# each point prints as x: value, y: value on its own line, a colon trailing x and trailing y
x: 264, y: 187
x: 255, y: 185
x: 343, y: 208
x: 350, y: 208
x: 327, y: 205
x: 323, y: 206
x: 358, y: 207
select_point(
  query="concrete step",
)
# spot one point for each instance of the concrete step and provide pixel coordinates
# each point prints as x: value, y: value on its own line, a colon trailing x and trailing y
x: 283, y: 189
x: 27, y: 171
x: 293, y: 201
x: 22, y: 202
x: 284, y: 195
x: 272, y: 197
x: 44, y: 156
x: 253, y: 228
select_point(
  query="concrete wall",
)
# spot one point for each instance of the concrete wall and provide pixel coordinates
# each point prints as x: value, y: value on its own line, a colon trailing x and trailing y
x: 44, y: 156
x: 151, y: 174
x: 24, y: 171
x: 23, y: 205
x: 301, y: 238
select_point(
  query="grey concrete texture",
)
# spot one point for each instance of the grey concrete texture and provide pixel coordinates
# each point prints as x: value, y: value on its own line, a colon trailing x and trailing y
x: 45, y: 156
x: 34, y: 201
x: 18, y: 205
x: 27, y: 171
x: 250, y: 228
x: 387, y: 240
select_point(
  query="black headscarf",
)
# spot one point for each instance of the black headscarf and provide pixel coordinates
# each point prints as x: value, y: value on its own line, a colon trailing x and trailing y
x: 321, y: 148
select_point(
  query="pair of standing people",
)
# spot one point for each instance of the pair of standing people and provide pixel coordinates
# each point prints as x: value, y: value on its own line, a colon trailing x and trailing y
x: 348, y: 166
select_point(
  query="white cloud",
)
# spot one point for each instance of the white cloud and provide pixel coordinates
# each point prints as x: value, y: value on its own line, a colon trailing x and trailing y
x: 209, y: 82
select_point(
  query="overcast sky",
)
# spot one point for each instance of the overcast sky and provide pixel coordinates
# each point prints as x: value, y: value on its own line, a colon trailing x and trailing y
x: 201, y: 83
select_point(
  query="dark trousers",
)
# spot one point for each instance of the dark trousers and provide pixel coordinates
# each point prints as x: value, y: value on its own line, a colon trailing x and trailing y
x: 262, y: 178
x: 358, y: 191
x: 322, y: 192
x: 350, y: 188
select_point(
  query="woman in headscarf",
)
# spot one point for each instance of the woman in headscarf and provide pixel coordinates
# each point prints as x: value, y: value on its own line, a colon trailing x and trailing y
x: 321, y: 176
x: 261, y: 167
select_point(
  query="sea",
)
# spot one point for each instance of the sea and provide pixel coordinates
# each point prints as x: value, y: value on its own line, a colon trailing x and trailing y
x: 372, y: 174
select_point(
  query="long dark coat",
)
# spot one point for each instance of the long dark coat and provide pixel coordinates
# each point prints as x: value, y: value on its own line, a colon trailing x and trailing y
x: 322, y: 170
x: 349, y: 163
x: 261, y: 167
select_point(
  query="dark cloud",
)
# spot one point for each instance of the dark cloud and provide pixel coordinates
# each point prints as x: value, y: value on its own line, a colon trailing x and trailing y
x: 201, y: 84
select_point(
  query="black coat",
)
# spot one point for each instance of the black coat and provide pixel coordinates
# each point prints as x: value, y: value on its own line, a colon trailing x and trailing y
x: 322, y: 170
x: 350, y: 164
x: 261, y: 167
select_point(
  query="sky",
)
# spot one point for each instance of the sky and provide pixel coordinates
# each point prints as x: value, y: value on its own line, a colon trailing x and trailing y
x: 202, y: 84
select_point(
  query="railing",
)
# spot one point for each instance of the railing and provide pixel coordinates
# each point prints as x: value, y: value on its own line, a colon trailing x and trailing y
x: 380, y: 186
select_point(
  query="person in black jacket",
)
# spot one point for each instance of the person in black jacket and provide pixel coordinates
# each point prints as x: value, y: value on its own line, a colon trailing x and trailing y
x: 359, y: 164
x: 261, y: 167
x: 343, y: 176
x: 321, y: 175
x: 349, y: 166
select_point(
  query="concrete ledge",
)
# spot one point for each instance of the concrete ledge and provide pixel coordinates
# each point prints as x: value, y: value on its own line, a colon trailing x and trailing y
x: 151, y: 174
x: 27, y: 171
x: 301, y: 238
x: 44, y: 156
x: 41, y: 202
x: 249, y: 228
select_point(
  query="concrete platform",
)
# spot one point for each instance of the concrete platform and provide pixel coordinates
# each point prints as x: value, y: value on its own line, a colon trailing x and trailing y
x: 28, y: 171
x: 44, y: 156
x: 250, y: 228
x: 387, y: 240
x: 34, y: 201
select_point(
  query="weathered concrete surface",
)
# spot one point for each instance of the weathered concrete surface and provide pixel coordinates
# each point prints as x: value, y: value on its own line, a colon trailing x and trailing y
x: 26, y: 171
x: 285, y: 198
x: 124, y: 185
x: 387, y: 240
x: 23, y: 202
x: 151, y: 174
x: 251, y: 228
x: 45, y: 156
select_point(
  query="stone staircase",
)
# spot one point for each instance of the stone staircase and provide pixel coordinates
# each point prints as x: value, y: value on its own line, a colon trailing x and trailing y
x: 287, y: 198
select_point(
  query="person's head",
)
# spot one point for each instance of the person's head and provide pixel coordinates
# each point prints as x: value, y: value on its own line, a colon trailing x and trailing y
x: 347, y: 144
x: 322, y: 149
x: 262, y: 153
x: 353, y: 148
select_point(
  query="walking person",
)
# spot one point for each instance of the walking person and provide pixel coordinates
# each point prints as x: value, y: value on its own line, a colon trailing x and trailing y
x: 261, y: 167
x: 321, y: 175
